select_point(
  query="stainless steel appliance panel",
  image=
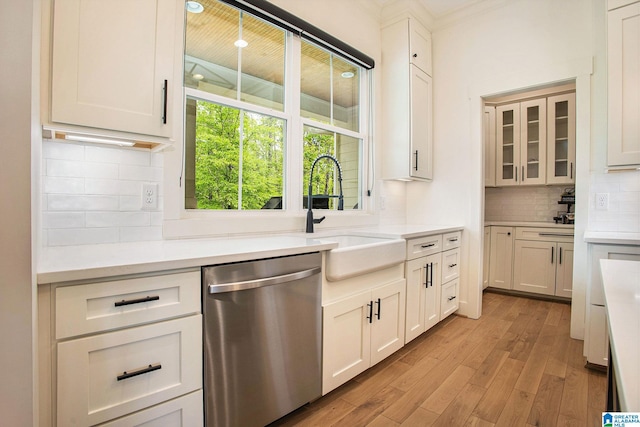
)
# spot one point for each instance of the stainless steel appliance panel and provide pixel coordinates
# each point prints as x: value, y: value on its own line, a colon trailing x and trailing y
x: 262, y: 339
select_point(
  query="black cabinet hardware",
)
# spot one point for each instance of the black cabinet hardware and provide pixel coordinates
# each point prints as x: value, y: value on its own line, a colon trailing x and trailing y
x: 430, y: 245
x: 379, y: 309
x: 451, y: 298
x: 560, y: 255
x: 552, y: 254
x: 165, y: 96
x: 431, y: 274
x: 370, y: 316
x: 136, y: 301
x: 141, y: 371
x: 426, y: 275
x: 452, y: 265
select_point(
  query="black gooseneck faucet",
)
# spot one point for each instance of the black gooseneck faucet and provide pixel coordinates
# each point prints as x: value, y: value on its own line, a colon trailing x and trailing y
x: 310, y: 219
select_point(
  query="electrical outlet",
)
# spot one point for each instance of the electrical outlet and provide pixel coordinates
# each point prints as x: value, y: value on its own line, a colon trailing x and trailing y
x: 602, y: 201
x: 149, y: 196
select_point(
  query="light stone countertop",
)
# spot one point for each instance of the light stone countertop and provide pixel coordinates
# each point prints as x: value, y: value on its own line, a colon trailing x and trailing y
x: 90, y: 262
x: 529, y: 224
x: 621, y: 280
x: 612, y: 237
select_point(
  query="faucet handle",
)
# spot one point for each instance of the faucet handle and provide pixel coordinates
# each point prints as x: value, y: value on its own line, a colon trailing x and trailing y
x: 318, y: 220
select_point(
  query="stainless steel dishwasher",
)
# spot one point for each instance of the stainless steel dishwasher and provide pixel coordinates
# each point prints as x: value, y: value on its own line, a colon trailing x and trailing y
x: 262, y: 339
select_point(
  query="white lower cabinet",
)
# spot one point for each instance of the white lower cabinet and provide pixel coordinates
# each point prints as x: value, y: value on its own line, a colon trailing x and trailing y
x: 544, y: 265
x: 596, y: 342
x: 501, y: 257
x: 184, y: 411
x: 423, y: 294
x: 124, y: 352
x: 360, y: 331
x: 432, y: 281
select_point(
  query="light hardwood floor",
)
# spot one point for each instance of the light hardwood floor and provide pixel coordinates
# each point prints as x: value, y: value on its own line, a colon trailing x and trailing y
x: 515, y: 366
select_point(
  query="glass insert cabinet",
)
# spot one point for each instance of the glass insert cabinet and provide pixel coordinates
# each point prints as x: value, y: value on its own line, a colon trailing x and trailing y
x: 535, y: 141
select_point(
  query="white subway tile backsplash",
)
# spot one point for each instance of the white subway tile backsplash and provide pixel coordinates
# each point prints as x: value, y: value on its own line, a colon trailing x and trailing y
x: 60, y: 202
x: 59, y: 185
x: 523, y: 203
x: 623, y: 214
x: 93, y: 194
x: 63, y: 219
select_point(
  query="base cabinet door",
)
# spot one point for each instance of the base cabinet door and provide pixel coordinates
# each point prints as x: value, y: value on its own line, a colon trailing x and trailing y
x: 347, y: 344
x: 564, y: 270
x: 387, y: 325
x: 423, y: 295
x: 534, y: 267
x: 501, y: 264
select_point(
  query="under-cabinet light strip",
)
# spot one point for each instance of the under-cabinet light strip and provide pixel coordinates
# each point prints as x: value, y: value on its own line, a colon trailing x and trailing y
x: 108, y: 141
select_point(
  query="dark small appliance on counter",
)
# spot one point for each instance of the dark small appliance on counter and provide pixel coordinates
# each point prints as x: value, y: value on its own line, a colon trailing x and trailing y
x: 567, y: 198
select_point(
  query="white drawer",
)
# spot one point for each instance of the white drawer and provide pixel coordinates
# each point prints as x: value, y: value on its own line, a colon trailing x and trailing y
x: 545, y: 234
x: 185, y: 411
x: 97, y: 307
x: 92, y: 372
x: 450, y: 265
x: 451, y: 240
x: 449, y: 299
x: 424, y: 246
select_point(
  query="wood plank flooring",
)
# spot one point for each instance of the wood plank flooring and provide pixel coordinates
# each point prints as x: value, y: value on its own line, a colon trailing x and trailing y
x: 515, y: 366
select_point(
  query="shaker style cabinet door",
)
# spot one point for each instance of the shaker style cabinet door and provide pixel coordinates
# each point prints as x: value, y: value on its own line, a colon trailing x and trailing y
x: 623, y: 41
x: 507, y: 144
x: 561, y: 139
x: 533, y: 142
x: 113, y: 64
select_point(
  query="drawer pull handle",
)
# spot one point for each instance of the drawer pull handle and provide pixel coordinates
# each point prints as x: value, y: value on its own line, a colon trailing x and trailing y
x: 136, y: 301
x: 451, y: 298
x: 452, y: 265
x: 141, y: 371
x: 455, y: 239
x: 430, y: 245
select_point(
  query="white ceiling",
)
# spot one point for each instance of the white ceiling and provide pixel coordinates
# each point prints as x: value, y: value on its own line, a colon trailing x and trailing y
x: 439, y: 8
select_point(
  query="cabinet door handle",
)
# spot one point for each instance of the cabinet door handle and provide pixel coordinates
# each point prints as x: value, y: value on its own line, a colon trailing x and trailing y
x: 430, y: 245
x: 415, y: 55
x: 552, y: 248
x: 136, y: 301
x: 431, y: 275
x: 379, y: 309
x: 523, y: 174
x: 571, y: 169
x: 560, y: 255
x: 451, y: 298
x: 165, y: 96
x: 426, y: 275
x: 516, y: 169
x: 452, y: 265
x: 370, y: 316
x: 416, y: 154
x: 140, y: 371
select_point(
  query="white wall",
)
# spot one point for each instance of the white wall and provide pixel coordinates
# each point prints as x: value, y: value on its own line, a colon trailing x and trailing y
x: 496, y: 47
x: 17, y: 285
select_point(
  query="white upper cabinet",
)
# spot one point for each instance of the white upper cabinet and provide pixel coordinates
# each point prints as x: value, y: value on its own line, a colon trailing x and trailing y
x: 407, y: 99
x: 113, y: 64
x: 420, y: 47
x: 561, y: 139
x: 623, y: 41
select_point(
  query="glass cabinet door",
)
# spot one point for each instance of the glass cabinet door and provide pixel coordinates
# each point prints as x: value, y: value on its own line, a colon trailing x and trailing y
x: 507, y: 144
x: 533, y: 142
x: 562, y: 139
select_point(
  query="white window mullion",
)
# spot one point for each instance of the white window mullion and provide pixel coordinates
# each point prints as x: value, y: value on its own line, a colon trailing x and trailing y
x: 294, y: 154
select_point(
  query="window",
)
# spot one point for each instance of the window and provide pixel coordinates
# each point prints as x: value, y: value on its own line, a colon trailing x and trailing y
x: 248, y: 116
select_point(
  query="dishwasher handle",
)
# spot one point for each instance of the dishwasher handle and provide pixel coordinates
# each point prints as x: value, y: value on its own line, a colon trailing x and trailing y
x: 258, y: 283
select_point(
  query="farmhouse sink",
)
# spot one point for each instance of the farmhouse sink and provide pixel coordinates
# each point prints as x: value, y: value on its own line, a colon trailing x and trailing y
x: 356, y: 255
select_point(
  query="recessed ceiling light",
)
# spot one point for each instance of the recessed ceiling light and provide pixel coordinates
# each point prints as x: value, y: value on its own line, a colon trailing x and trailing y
x: 194, y: 7
x: 241, y: 43
x: 198, y: 76
x: 347, y: 74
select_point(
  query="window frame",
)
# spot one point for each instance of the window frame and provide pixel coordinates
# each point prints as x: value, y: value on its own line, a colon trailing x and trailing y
x: 181, y: 222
